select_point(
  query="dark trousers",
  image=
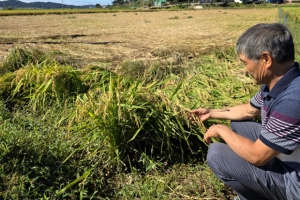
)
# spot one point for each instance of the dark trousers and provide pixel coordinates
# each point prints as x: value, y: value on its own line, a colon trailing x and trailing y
x: 247, y: 180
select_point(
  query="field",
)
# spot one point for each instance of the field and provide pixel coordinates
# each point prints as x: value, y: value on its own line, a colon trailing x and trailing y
x: 116, y: 37
x: 93, y: 106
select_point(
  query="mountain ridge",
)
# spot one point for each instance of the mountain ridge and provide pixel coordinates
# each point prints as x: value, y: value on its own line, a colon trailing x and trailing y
x: 15, y: 4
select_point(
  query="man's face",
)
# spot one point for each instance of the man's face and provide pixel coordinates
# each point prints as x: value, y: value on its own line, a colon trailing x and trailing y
x: 255, y: 69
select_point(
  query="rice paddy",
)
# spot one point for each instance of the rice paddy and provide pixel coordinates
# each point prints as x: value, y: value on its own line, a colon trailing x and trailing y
x: 93, y: 106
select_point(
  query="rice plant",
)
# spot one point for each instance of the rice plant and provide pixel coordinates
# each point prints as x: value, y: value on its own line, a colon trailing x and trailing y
x: 135, y: 117
x: 20, y: 57
x: 95, y: 124
x: 41, y: 84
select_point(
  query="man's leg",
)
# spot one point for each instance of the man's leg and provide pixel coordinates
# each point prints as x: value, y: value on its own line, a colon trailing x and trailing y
x: 247, y: 180
x: 249, y: 129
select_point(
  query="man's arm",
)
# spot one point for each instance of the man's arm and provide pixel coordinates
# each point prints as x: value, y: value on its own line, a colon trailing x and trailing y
x: 256, y: 152
x: 240, y: 112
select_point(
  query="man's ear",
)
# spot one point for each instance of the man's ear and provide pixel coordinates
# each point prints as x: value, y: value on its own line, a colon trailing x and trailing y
x: 267, y: 59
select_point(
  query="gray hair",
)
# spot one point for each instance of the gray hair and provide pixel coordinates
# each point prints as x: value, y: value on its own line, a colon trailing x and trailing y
x: 274, y: 38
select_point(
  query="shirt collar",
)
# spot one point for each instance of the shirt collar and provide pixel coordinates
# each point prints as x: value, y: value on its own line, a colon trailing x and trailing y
x: 283, y: 82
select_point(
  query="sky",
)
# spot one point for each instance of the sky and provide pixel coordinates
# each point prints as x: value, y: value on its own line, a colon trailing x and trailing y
x: 73, y: 2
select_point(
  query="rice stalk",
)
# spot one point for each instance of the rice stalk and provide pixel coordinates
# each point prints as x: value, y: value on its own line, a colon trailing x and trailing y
x: 130, y: 113
x: 20, y: 57
x: 41, y: 84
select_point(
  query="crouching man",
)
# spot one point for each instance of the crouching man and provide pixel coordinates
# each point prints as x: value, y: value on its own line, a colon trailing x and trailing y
x: 261, y: 160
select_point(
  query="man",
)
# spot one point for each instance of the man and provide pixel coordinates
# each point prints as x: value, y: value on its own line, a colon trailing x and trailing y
x: 261, y: 160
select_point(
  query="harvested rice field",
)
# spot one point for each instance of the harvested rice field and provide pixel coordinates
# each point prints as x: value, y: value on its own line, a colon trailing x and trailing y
x: 81, y: 39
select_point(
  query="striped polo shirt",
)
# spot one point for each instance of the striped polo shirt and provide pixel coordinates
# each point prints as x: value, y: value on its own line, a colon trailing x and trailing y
x: 280, y: 113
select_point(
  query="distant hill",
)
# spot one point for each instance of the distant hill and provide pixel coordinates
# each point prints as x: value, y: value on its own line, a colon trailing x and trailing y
x: 14, y: 4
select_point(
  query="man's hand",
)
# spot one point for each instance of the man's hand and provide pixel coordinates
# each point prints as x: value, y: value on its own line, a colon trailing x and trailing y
x: 201, y: 113
x: 214, y: 132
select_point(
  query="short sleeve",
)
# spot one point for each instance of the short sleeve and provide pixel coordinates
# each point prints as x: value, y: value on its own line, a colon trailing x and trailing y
x: 282, y: 130
x: 257, y: 100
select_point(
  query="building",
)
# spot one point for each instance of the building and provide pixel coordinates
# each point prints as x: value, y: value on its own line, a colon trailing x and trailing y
x: 159, y: 2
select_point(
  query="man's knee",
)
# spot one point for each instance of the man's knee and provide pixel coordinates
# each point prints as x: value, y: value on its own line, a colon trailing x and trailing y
x: 216, y: 152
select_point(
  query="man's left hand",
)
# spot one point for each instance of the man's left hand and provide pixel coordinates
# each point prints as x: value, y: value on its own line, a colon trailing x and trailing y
x: 214, y: 132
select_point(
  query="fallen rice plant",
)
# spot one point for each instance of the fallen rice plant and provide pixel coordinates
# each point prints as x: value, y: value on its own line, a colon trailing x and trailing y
x: 20, y: 57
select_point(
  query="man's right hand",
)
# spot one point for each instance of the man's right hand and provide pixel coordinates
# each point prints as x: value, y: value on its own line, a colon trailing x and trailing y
x: 201, y: 114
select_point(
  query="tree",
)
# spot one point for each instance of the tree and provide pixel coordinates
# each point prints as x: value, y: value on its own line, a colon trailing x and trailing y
x: 118, y: 2
x: 98, y: 5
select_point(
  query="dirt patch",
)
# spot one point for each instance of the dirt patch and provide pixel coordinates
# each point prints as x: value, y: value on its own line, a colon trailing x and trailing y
x: 81, y: 39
